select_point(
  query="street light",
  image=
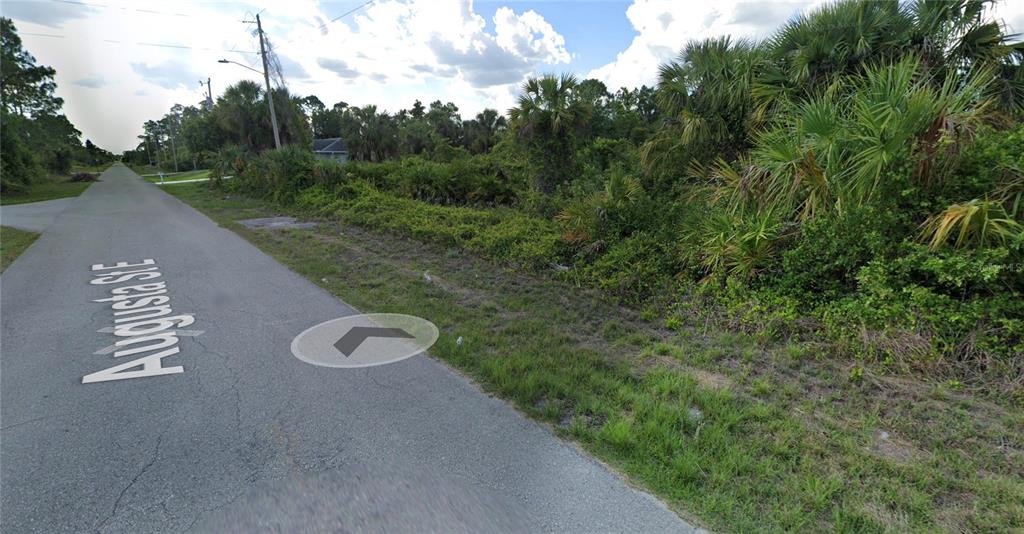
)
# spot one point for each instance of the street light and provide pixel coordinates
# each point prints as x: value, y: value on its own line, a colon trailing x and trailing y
x: 270, y: 97
x: 240, y: 65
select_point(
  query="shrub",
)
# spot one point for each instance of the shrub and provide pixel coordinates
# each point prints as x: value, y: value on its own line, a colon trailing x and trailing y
x: 634, y: 268
x: 501, y: 234
x: 957, y: 311
x: 825, y: 258
x: 465, y: 180
x: 986, y: 163
x: 230, y: 160
x: 19, y: 167
x: 279, y: 174
x: 740, y: 246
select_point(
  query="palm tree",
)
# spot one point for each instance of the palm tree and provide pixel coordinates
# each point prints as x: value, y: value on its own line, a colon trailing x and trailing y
x: 846, y: 37
x: 371, y: 136
x: 480, y: 133
x: 239, y: 113
x: 840, y: 148
x: 548, y: 118
x: 705, y: 96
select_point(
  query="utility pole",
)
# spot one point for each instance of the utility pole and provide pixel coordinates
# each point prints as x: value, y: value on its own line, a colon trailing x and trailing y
x: 209, y: 94
x: 174, y: 151
x: 148, y: 153
x: 266, y: 79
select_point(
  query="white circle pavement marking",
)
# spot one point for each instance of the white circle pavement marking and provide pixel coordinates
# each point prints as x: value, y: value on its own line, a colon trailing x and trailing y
x: 364, y: 340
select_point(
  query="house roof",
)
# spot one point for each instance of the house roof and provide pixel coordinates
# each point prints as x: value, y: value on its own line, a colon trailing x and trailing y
x: 331, y: 145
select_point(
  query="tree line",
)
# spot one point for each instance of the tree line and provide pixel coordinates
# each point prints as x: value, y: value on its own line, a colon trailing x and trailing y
x: 35, y: 136
x: 190, y: 136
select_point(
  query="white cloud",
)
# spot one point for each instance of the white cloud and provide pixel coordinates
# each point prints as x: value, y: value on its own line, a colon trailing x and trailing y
x: 1011, y: 13
x: 94, y: 82
x: 529, y: 36
x: 338, y: 67
x: 53, y: 14
x: 170, y: 74
x: 430, y: 39
x: 665, y: 26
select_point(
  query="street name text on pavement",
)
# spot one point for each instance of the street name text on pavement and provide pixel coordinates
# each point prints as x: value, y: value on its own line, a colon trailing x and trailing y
x: 142, y: 317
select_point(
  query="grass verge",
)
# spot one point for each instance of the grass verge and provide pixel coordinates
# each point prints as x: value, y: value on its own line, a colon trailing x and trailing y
x: 49, y: 188
x: 12, y: 243
x: 734, y: 432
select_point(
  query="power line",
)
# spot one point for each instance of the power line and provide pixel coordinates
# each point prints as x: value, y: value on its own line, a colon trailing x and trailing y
x: 335, y: 19
x: 141, y: 43
x: 147, y: 11
x: 345, y: 14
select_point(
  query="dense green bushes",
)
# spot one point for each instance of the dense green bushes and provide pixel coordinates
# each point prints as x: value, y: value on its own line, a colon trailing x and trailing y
x: 18, y: 166
x: 476, y: 180
x: 875, y: 289
x: 501, y: 234
x: 466, y: 180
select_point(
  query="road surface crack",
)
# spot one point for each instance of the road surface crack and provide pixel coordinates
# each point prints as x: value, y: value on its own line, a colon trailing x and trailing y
x: 120, y: 496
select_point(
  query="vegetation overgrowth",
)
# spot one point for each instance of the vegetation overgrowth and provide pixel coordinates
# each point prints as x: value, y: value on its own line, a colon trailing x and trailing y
x: 856, y: 177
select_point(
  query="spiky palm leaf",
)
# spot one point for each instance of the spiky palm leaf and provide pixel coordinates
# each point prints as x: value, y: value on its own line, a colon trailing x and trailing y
x: 977, y: 223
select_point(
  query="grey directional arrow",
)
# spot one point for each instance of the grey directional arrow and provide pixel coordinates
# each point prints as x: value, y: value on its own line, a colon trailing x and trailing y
x: 358, y: 334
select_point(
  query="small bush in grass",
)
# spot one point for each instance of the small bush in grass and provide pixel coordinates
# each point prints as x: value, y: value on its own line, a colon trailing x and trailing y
x: 634, y: 268
x: 83, y: 177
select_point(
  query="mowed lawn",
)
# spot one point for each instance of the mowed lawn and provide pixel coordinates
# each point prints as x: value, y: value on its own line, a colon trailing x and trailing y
x: 48, y: 188
x: 12, y: 243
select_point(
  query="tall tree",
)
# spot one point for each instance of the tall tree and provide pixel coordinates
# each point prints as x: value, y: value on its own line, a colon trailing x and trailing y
x: 548, y: 119
x: 25, y: 88
x: 480, y: 134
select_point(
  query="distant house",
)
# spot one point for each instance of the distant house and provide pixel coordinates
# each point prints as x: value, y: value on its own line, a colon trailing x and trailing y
x: 332, y: 148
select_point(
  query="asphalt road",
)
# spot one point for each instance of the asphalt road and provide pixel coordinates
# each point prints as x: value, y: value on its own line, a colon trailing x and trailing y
x: 35, y: 216
x: 247, y: 437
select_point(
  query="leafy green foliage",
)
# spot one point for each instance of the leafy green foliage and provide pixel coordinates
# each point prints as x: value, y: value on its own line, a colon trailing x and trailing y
x: 823, y: 262
x: 36, y: 136
x: 501, y: 234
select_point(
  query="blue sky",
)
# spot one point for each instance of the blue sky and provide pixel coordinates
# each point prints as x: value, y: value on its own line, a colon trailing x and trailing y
x: 122, y: 62
x: 594, y: 31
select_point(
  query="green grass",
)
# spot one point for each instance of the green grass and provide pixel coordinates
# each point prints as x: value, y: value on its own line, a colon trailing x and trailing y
x: 49, y: 188
x: 95, y: 169
x: 148, y: 169
x: 12, y: 243
x: 190, y: 175
x: 733, y: 433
